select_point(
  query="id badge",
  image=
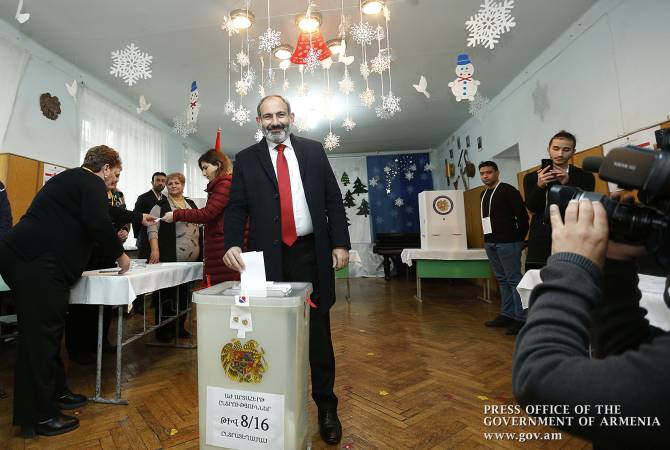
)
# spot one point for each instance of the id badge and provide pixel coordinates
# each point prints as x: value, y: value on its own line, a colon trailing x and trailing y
x: 486, y: 225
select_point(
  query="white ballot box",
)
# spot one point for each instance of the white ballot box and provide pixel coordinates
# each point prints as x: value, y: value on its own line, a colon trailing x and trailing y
x: 442, y: 220
x: 252, y: 390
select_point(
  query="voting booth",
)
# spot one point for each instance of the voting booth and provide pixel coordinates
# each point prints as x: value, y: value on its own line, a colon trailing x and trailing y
x: 253, y: 361
x: 442, y: 220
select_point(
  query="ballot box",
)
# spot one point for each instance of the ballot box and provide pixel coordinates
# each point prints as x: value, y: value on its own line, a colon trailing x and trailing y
x: 252, y: 384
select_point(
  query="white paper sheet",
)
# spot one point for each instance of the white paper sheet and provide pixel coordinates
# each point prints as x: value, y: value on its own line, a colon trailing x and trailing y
x: 252, y: 278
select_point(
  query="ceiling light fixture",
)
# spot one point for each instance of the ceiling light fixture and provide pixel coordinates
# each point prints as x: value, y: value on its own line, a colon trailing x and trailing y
x: 283, y: 52
x: 242, y: 18
x: 370, y: 7
x: 309, y: 23
x: 335, y: 46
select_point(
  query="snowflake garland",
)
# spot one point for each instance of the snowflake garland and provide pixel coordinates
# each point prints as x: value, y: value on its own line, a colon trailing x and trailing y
x: 228, y: 26
x: 363, y: 33
x: 331, y: 141
x: 390, y: 105
x: 242, y: 59
x: 493, y: 19
x: 229, y: 107
x: 312, y: 59
x: 348, y: 123
x: 261, y: 90
x: 327, y: 63
x: 182, y: 127
x: 241, y: 115
x: 242, y: 87
x: 367, y: 98
x: 346, y: 84
x: 269, y: 40
x: 365, y: 70
x: 380, y: 63
x: 131, y: 64
x: 258, y: 136
x: 478, y: 106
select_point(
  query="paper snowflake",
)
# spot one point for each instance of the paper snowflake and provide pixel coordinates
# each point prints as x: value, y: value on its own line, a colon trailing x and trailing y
x: 381, y: 112
x: 241, y: 115
x: 379, y: 33
x: 242, y: 59
x: 399, y: 202
x: 362, y: 33
x: 285, y: 86
x: 428, y: 167
x: 368, y: 97
x: 478, y: 106
x: 270, y: 80
x: 348, y: 123
x: 409, y: 176
x: 493, y: 19
x: 228, y: 26
x: 249, y: 76
x: 261, y: 90
x: 312, y: 59
x: 380, y: 63
x: 242, y: 87
x: 327, y: 63
x: 181, y: 127
x: 269, y: 40
x: 131, y: 64
x: 365, y: 70
x: 328, y: 105
x: 229, y: 107
x: 331, y: 141
x: 258, y: 136
x: 346, y: 84
x: 372, y: 182
x: 390, y: 105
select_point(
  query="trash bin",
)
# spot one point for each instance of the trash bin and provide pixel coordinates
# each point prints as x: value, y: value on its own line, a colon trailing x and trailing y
x: 252, y: 391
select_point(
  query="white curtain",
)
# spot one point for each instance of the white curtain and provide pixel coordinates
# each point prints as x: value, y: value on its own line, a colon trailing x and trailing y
x: 142, y: 147
x: 195, y: 181
x: 14, y: 60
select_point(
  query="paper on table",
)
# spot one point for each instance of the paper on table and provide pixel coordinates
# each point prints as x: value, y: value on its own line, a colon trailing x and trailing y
x: 252, y: 279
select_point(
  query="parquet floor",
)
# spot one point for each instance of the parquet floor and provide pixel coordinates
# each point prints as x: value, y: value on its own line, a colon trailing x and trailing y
x: 410, y: 376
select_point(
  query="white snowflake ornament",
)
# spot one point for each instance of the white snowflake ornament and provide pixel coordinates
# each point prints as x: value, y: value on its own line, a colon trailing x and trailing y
x: 229, y: 107
x: 365, y: 70
x: 327, y: 63
x: 412, y: 167
x: 379, y: 33
x: 493, y: 19
x: 380, y: 63
x: 312, y: 59
x: 367, y: 98
x: 331, y: 141
x: 348, y: 123
x: 390, y: 104
x: 131, y: 64
x: 269, y: 40
x: 363, y: 33
x: 285, y: 86
x: 242, y: 59
x: 261, y: 90
x: 478, y: 106
x: 241, y: 115
x: 182, y: 127
x: 387, y: 169
x: 249, y: 76
x: 346, y: 84
x: 372, y: 182
x: 399, y: 202
x: 258, y: 136
x: 228, y: 26
x: 242, y: 87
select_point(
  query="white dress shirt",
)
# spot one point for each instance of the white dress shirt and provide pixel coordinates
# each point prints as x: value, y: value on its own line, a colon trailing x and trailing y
x: 303, y: 221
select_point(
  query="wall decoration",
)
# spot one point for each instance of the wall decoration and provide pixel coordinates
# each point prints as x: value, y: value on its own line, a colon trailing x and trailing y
x: 258, y: 136
x: 493, y: 19
x: 182, y: 127
x: 50, y: 106
x: 131, y: 64
x: 72, y: 89
x: 193, y: 104
x: 479, y: 106
x: 540, y: 99
x: 458, y: 142
x: 464, y: 86
x: 144, y: 106
x: 467, y: 141
x: 421, y: 87
x: 345, y: 179
x: 479, y: 143
x: 451, y: 153
x: 21, y: 17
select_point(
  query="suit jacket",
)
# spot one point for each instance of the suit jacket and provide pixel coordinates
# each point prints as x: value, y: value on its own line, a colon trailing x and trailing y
x: 143, y: 204
x: 539, y: 237
x: 254, y: 194
x: 5, y: 212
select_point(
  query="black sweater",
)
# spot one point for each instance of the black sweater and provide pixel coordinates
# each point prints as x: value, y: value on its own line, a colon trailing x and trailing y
x: 509, y: 219
x: 632, y: 364
x: 67, y: 216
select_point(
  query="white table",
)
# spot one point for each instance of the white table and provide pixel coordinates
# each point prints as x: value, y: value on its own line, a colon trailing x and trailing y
x: 96, y: 288
x: 465, y: 263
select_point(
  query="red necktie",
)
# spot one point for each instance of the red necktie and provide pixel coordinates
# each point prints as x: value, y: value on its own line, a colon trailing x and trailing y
x: 288, y: 232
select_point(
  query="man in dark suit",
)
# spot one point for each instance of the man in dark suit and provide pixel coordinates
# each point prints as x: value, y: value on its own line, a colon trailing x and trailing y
x: 5, y: 212
x: 144, y: 204
x: 536, y: 184
x: 285, y: 187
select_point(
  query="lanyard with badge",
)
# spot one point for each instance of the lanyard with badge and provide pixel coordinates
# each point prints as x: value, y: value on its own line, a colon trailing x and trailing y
x: 486, y: 221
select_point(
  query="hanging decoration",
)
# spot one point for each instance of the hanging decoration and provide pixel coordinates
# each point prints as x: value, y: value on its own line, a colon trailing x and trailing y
x: 421, y: 87
x: 478, y: 106
x: 229, y: 107
x: 348, y: 123
x: 194, y: 105
x: 390, y: 104
x: 540, y: 99
x: 241, y: 115
x: 21, y: 17
x: 331, y: 141
x: 464, y: 87
x: 270, y: 39
x: 227, y: 25
x: 72, y: 89
x: 362, y: 32
x: 131, y: 64
x: 182, y: 127
x: 258, y: 136
x: 144, y: 106
x: 493, y: 19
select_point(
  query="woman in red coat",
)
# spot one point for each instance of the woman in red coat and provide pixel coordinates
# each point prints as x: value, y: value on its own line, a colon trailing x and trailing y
x: 218, y: 169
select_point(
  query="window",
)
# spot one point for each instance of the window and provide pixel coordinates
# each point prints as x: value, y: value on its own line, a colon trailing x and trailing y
x: 195, y: 181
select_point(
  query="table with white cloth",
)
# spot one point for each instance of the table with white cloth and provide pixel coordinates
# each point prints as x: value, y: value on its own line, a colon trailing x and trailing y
x: 650, y: 287
x: 467, y: 263
x: 110, y: 289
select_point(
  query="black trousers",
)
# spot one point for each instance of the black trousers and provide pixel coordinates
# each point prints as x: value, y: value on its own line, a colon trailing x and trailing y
x: 41, y: 292
x: 81, y: 328
x: 299, y: 264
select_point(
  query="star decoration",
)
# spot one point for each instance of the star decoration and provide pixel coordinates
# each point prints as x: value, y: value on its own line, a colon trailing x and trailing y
x: 258, y: 136
x: 399, y: 202
x: 242, y: 59
x: 241, y: 115
x: 409, y: 176
x: 331, y: 141
x: 348, y: 123
x: 540, y: 99
x: 229, y: 107
x: 368, y: 97
x: 269, y: 40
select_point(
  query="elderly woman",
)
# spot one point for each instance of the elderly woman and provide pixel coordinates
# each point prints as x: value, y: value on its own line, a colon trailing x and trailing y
x: 218, y: 169
x: 172, y: 242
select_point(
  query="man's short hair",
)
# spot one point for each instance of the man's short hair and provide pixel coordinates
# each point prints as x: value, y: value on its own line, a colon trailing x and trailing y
x: 488, y: 164
x: 564, y: 135
x: 96, y: 158
x: 158, y: 174
x: 267, y: 97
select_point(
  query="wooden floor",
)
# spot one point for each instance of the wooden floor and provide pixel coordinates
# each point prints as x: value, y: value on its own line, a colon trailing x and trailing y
x: 409, y: 376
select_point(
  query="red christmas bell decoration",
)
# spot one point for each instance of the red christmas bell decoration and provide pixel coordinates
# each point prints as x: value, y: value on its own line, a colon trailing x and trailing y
x: 217, y: 145
x: 310, y: 40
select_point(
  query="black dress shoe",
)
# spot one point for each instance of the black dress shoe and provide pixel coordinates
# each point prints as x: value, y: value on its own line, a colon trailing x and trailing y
x: 514, y: 329
x: 51, y: 427
x: 69, y: 400
x: 330, y: 427
x: 500, y: 321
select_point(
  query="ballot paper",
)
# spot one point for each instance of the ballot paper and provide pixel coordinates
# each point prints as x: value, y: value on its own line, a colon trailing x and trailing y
x: 252, y: 278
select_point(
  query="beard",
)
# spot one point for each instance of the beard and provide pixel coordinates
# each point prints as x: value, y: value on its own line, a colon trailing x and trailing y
x: 277, y: 133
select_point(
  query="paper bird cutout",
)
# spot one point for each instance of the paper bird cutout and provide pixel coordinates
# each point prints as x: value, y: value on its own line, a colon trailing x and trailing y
x: 21, y: 17
x: 72, y: 89
x: 421, y: 87
x: 144, y: 106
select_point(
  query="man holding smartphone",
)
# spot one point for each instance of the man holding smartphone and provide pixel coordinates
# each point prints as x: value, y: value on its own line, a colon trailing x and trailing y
x: 556, y: 169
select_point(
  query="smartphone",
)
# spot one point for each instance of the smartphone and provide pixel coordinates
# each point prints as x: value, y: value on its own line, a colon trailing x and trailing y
x: 546, y: 163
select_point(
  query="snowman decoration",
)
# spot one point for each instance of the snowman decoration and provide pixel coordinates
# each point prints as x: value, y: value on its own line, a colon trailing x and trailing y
x: 464, y: 86
x: 194, y: 105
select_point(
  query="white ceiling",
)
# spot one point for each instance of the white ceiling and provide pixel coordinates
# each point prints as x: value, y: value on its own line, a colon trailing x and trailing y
x: 186, y: 42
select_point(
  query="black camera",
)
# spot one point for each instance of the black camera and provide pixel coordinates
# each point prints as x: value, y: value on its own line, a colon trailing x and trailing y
x: 647, y: 171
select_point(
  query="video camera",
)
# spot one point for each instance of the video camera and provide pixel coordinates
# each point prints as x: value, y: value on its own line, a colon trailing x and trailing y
x: 632, y: 168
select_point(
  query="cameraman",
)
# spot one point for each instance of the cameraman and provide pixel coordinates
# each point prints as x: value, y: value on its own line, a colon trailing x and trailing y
x: 589, y: 294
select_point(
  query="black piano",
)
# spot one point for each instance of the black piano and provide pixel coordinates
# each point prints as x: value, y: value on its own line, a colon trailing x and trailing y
x: 391, y: 245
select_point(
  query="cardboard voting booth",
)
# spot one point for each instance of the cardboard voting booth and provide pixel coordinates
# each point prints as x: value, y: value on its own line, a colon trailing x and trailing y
x: 252, y: 390
x: 442, y: 220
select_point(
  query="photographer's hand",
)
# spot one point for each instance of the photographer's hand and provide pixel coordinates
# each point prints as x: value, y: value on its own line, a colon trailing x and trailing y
x: 584, y: 231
